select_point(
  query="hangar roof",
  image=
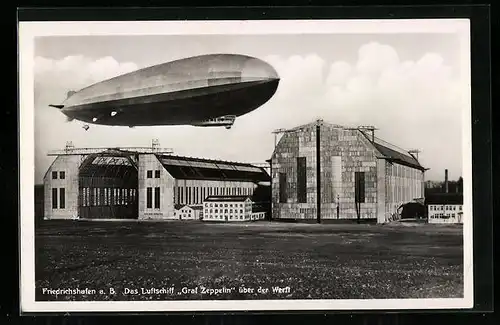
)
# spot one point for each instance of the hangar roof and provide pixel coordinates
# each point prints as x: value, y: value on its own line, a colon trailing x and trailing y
x: 388, y: 151
x: 206, y: 169
x: 397, y: 156
x: 228, y: 198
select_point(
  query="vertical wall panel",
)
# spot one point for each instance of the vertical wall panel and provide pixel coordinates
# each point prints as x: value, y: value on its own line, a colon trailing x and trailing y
x: 301, y: 180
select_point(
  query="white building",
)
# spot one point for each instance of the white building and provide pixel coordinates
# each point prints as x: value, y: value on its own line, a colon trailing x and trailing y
x: 227, y: 208
x: 445, y: 207
x: 186, y: 212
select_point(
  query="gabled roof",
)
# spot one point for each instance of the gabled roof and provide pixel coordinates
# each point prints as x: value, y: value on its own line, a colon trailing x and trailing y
x: 228, y: 198
x: 402, y: 158
x: 206, y: 169
x: 444, y: 198
x: 387, y: 151
x: 393, y: 153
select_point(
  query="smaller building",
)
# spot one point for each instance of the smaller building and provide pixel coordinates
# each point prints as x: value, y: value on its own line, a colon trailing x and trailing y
x: 258, y: 216
x: 186, y: 212
x: 236, y: 208
x: 445, y: 207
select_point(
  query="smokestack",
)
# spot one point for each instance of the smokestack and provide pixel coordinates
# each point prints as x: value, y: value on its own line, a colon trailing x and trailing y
x: 446, y: 180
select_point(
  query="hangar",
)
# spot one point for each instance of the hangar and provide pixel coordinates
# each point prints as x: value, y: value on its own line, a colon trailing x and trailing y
x: 321, y: 171
x: 138, y: 183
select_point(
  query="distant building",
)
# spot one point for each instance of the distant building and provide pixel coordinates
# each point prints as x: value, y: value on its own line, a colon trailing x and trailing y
x: 186, y: 212
x: 229, y: 208
x: 322, y: 171
x: 445, y: 208
x: 139, y: 184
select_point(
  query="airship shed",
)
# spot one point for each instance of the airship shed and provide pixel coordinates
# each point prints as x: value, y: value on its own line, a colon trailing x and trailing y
x: 323, y: 172
x: 141, y: 183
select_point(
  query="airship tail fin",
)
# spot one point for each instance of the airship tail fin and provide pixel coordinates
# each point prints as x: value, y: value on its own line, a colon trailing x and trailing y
x: 56, y: 106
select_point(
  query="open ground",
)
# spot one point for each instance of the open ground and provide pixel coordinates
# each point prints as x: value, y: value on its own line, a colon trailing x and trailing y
x: 135, y: 260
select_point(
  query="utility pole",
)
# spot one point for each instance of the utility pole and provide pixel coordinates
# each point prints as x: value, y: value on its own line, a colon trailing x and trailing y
x: 318, y: 171
x: 338, y: 207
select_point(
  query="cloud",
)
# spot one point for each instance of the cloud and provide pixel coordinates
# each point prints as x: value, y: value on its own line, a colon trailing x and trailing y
x: 53, y: 80
x: 413, y: 103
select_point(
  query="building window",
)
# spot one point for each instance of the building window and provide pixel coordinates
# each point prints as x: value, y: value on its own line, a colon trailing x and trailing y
x: 54, y: 175
x: 157, y: 174
x: 62, y: 175
x: 282, y: 187
x: 188, y: 195
x: 301, y: 180
x: 149, y: 197
x: 157, y: 197
x: 359, y: 187
x: 149, y: 174
x: 54, y: 197
x: 62, y: 198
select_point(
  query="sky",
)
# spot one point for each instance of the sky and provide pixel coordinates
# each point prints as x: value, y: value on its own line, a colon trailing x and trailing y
x: 407, y: 85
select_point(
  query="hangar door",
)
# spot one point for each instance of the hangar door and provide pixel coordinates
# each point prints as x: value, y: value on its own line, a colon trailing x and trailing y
x: 108, y: 187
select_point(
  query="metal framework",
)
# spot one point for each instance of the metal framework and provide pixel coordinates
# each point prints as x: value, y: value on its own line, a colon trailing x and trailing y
x: 108, y: 184
x: 90, y: 151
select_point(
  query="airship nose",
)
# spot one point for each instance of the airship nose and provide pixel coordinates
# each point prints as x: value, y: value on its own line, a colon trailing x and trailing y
x: 258, y: 69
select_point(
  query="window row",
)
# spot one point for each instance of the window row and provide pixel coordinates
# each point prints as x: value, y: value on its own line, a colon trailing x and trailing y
x: 219, y: 217
x: 225, y: 210
x: 445, y: 208
x: 443, y: 216
x: 196, y: 195
x: 149, y: 174
x: 98, y: 196
x: 62, y: 175
x: 61, y: 198
x: 224, y: 205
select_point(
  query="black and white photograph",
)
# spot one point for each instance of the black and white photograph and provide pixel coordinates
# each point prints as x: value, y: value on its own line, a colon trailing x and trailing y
x: 245, y: 165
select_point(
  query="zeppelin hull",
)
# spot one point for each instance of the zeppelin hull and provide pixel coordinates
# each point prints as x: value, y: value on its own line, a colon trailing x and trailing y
x: 177, y: 108
x: 180, y: 92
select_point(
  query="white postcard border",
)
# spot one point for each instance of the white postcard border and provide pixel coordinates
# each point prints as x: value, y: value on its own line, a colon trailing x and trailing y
x: 29, y: 30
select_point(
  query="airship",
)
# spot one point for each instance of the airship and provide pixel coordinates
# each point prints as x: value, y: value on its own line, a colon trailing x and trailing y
x: 205, y: 91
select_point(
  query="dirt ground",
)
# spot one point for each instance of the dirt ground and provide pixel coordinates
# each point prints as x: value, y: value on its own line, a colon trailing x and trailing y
x: 193, y: 260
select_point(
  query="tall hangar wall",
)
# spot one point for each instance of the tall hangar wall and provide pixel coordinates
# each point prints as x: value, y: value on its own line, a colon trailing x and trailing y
x: 156, y: 189
x: 351, y: 164
x: 61, y: 188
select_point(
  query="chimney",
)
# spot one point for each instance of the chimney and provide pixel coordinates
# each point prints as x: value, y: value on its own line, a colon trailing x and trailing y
x: 446, y: 180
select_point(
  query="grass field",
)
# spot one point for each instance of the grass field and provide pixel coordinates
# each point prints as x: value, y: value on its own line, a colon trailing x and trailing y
x: 334, y: 261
